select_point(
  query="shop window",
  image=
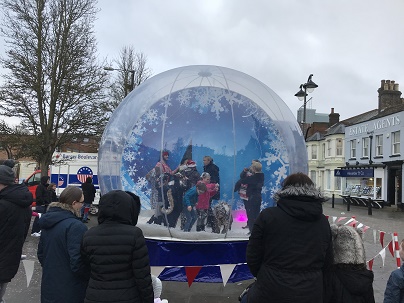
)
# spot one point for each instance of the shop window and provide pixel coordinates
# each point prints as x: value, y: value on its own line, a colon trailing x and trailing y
x: 314, y: 152
x: 395, y: 143
x: 365, y: 147
x: 379, y: 145
x: 353, y: 149
x: 378, y: 189
x: 339, y: 147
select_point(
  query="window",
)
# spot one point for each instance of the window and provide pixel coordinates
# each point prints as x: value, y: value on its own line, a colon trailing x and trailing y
x: 337, y: 181
x: 353, y: 149
x: 328, y: 148
x: 313, y: 176
x: 395, y: 143
x: 323, y: 150
x: 365, y: 147
x: 314, y: 152
x: 379, y: 145
x: 35, y: 179
x: 328, y: 175
x: 339, y: 147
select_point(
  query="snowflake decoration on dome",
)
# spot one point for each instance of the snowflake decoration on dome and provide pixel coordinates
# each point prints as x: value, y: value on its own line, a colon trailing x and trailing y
x: 213, y: 121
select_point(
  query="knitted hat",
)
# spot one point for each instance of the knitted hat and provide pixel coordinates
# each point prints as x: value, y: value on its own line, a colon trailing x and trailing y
x: 348, y: 245
x: 7, y: 176
x: 157, y: 286
x: 165, y: 153
x: 191, y: 163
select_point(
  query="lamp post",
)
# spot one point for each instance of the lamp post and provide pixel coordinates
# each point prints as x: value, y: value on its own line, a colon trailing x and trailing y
x: 305, y: 88
x: 132, y: 78
x: 370, y: 147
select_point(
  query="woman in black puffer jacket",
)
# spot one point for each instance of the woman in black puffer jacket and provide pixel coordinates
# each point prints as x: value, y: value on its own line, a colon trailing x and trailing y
x: 290, y: 246
x: 117, y: 253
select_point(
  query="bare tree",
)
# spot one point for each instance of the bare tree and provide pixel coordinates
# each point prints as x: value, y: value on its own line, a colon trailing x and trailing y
x: 54, y: 84
x: 132, y: 71
x: 15, y: 141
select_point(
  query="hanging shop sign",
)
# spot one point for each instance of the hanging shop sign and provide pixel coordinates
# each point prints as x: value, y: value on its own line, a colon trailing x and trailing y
x: 354, y: 173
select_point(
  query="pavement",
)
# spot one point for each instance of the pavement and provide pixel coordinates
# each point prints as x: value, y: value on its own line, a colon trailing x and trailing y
x: 387, y: 220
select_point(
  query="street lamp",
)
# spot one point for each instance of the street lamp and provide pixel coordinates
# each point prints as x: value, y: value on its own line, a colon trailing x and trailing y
x: 132, y: 78
x: 305, y: 88
x: 370, y: 148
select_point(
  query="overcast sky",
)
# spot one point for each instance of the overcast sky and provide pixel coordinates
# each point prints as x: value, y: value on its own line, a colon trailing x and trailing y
x: 348, y: 45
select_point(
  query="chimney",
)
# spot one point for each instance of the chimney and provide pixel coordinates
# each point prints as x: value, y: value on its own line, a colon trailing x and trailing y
x: 333, y: 118
x: 389, y: 95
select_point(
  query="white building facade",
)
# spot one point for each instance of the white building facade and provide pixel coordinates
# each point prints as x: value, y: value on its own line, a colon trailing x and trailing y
x: 325, y: 154
x: 374, y: 158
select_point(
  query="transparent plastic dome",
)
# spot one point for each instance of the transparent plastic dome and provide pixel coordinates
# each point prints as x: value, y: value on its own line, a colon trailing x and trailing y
x: 198, y: 111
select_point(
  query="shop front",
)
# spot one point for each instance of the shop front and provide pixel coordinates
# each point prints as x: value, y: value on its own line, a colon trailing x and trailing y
x: 361, y: 182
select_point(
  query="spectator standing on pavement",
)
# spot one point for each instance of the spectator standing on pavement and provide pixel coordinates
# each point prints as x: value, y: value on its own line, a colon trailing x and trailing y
x: 89, y: 191
x: 117, y: 253
x: 348, y: 280
x: 52, y: 193
x: 64, y: 275
x: 42, y: 201
x: 15, y: 217
x: 290, y: 245
x: 394, y: 292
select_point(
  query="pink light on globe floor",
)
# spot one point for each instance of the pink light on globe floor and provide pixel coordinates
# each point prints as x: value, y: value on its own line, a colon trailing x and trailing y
x: 240, y: 216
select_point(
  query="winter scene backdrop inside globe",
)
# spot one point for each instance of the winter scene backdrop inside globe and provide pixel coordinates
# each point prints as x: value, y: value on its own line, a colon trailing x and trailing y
x: 189, y: 113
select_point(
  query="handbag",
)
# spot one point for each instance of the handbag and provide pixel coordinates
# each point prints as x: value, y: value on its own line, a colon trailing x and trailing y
x: 243, y: 191
x: 245, y: 291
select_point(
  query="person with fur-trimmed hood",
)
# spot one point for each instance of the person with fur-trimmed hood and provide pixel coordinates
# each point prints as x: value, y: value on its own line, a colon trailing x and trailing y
x: 64, y: 274
x: 15, y: 218
x: 117, y: 253
x: 290, y: 246
x: 348, y: 280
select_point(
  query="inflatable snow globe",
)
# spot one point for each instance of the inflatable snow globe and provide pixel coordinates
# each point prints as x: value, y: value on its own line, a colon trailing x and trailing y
x: 194, y: 119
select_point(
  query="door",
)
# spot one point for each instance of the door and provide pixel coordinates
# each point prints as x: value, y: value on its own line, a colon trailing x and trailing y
x: 394, y: 192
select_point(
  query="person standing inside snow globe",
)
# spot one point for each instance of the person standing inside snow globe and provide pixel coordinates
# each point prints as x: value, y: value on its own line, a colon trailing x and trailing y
x: 162, y: 174
x: 254, y: 179
x: 213, y: 170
